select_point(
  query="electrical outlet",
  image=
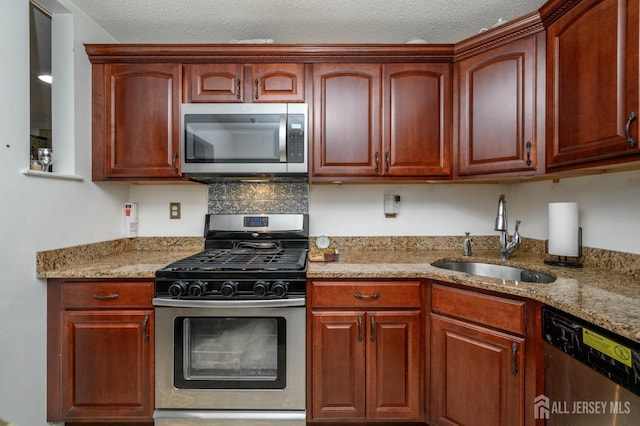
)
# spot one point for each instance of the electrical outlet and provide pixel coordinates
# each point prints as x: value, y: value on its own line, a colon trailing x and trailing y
x: 174, y: 210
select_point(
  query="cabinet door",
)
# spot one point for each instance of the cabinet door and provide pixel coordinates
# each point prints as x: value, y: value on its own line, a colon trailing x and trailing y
x: 497, y: 107
x: 215, y: 82
x: 416, y: 110
x: 136, y: 135
x: 394, y: 388
x: 106, y: 365
x: 338, y: 365
x: 346, y: 129
x: 278, y: 83
x: 477, y: 375
x: 592, y: 55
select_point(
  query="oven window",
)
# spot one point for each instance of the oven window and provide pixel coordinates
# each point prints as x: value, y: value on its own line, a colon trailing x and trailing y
x: 230, y: 353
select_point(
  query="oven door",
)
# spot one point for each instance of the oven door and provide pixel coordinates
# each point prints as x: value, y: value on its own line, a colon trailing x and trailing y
x: 230, y: 355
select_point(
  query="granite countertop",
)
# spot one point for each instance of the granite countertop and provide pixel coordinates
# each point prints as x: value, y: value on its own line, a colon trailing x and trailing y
x: 125, y: 258
x: 608, y: 299
x: 605, y: 292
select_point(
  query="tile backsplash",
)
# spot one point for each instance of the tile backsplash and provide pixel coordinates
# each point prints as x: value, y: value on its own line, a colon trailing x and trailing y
x: 258, y: 197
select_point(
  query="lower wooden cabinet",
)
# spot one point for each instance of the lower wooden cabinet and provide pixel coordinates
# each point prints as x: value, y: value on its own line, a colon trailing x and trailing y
x: 477, y: 375
x: 366, y: 353
x: 100, y: 351
x: 483, y: 361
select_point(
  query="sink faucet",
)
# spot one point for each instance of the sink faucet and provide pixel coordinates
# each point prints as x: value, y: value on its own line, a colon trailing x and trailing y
x: 506, y: 247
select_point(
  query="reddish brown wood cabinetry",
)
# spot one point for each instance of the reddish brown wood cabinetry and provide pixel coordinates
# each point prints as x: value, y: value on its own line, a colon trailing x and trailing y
x: 366, y: 346
x: 500, y: 101
x: 100, y: 351
x: 592, y: 89
x: 483, y: 359
x: 245, y: 83
x: 381, y: 120
x: 136, y: 121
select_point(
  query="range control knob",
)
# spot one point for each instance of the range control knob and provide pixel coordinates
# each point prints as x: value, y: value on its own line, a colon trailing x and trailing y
x: 279, y: 288
x: 229, y: 288
x: 197, y: 288
x: 178, y: 288
x: 260, y: 288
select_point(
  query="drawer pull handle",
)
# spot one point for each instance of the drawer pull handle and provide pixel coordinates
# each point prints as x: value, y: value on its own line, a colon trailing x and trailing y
x: 373, y: 329
x: 364, y: 296
x: 514, y: 360
x: 359, y: 329
x: 528, y: 146
x: 112, y: 296
x: 145, y: 334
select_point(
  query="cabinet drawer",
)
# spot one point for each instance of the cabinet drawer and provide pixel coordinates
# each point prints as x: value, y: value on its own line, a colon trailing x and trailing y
x: 105, y: 294
x: 366, y: 294
x: 491, y: 311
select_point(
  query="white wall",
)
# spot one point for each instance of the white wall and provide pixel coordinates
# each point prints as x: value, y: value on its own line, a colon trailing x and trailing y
x: 425, y: 209
x: 40, y: 213
x: 609, y: 209
x: 153, y: 209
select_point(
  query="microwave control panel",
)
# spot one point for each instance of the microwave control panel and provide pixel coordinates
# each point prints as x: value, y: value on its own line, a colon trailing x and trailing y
x: 295, y: 138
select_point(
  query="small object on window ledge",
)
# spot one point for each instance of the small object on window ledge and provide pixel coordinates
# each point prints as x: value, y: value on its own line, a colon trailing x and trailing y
x: 35, y: 165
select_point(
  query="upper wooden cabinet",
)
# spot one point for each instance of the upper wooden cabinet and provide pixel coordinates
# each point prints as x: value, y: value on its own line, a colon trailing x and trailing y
x: 500, y: 101
x: 381, y: 120
x: 244, y: 83
x: 135, y: 121
x: 592, y: 90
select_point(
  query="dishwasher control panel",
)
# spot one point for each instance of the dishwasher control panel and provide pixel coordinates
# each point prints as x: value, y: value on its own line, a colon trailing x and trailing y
x: 613, y: 356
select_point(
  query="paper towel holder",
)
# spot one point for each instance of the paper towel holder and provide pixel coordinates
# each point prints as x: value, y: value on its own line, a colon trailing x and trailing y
x: 564, y: 260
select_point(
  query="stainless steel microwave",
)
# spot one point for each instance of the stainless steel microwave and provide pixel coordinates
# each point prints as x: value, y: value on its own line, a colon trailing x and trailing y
x: 227, y: 140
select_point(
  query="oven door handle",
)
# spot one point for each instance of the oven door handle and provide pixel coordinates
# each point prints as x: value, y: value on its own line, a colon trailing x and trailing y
x: 204, y: 303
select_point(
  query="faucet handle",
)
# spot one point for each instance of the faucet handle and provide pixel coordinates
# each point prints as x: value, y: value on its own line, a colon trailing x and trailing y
x: 517, y: 240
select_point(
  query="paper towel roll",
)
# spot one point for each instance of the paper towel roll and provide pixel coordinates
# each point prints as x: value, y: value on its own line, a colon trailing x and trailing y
x: 563, y: 229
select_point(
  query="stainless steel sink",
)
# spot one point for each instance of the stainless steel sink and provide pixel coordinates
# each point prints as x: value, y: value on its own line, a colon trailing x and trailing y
x: 497, y: 271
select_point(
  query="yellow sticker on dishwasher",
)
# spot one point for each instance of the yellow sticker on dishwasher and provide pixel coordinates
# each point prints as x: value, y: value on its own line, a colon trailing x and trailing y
x: 607, y: 346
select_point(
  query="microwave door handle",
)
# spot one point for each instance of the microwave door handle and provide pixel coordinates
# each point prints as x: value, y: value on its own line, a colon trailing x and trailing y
x: 282, y: 140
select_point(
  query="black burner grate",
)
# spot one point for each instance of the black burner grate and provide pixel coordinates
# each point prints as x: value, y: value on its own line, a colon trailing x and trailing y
x: 234, y: 259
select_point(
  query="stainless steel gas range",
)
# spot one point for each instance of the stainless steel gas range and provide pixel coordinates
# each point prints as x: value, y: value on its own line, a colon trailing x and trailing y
x: 230, y: 326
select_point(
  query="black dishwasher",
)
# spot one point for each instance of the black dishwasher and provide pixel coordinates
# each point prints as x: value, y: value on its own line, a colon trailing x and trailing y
x: 592, y: 376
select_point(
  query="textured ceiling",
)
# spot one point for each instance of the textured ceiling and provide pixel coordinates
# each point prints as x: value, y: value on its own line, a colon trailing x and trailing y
x: 300, y: 21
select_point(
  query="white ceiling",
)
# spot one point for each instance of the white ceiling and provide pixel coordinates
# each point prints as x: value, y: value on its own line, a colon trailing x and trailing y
x: 300, y: 21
